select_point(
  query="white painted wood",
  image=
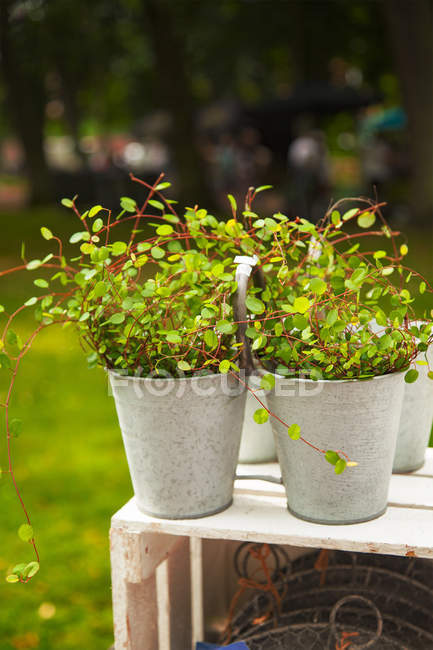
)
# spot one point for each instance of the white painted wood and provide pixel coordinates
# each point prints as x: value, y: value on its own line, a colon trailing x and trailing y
x: 197, y: 590
x: 139, y: 544
x: 163, y: 605
x: 265, y: 519
x: 135, y: 555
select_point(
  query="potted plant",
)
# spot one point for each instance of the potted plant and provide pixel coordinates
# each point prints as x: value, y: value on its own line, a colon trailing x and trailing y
x: 150, y: 295
x: 333, y: 382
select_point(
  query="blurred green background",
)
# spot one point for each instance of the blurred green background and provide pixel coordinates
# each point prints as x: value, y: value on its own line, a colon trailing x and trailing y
x: 321, y: 98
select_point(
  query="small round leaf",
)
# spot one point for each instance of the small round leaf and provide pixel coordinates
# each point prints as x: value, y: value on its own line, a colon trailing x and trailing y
x: 340, y: 466
x: 411, y: 376
x: 25, y: 532
x: 294, y: 431
x: 12, y: 578
x: 224, y: 366
x: 366, y: 220
x: 301, y: 305
x: 255, y: 305
x: 261, y: 416
x: 267, y: 382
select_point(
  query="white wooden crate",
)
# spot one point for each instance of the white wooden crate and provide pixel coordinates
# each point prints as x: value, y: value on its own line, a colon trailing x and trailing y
x: 157, y: 563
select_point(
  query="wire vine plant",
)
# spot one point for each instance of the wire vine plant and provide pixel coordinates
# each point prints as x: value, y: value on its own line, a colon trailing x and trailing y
x: 159, y: 302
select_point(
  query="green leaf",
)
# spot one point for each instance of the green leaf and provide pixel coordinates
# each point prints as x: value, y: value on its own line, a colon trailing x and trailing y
x: 67, y: 203
x: 183, y: 365
x: 100, y: 289
x: 94, y: 211
x: 411, y: 376
x: 5, y: 362
x: 163, y: 186
x: 164, y: 230
x: 97, y: 225
x: 11, y: 337
x: 46, y: 233
x: 25, y: 532
x: 30, y: 570
x: 233, y: 203
x: 340, y: 466
x: 210, y: 338
x: 19, y: 568
x: 300, y: 322
x: 317, y: 286
x: 366, y: 220
x: 76, y: 237
x: 332, y: 317
x: 262, y: 188
x: 128, y: 204
x: 294, y: 431
x: 267, y: 382
x: 157, y: 204
x: 301, y: 304
x: 332, y: 457
x: 173, y: 337
x: 261, y: 416
x: 350, y: 213
x: 15, y: 427
x: 225, y: 327
x: 255, y: 305
x: 335, y: 217
x: 430, y: 374
x: 33, y: 264
x: 31, y: 301
x: 422, y: 287
x: 385, y: 342
x: 259, y: 342
x: 157, y: 252
x: 118, y: 248
x: 117, y: 318
x: 39, y: 282
x: 381, y: 318
x: 224, y: 366
x: 13, y: 577
x: 172, y: 218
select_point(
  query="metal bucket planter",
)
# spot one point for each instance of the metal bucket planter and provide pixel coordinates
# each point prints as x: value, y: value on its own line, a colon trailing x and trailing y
x: 358, y: 417
x: 257, y: 442
x: 416, y: 417
x: 415, y: 422
x: 181, y: 438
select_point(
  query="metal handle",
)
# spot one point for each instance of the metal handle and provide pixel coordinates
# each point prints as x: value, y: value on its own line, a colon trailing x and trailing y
x: 243, y: 272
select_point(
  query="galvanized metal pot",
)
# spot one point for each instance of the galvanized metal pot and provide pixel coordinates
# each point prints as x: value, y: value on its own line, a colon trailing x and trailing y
x: 415, y: 422
x: 359, y: 417
x: 181, y: 438
x: 257, y: 441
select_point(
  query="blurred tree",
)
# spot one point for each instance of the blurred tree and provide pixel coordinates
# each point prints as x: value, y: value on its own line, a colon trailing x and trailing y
x: 22, y: 67
x: 410, y: 30
x: 172, y: 83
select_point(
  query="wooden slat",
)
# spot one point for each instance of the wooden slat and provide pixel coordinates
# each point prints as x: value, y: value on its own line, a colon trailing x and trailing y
x: 259, y: 514
x: 400, y: 531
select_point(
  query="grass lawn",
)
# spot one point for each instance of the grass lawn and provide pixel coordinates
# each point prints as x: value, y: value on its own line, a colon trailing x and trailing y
x: 71, y: 468
x: 72, y: 472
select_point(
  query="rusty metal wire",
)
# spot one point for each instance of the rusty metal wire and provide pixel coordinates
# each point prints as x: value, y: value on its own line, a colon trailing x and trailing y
x: 400, y: 588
